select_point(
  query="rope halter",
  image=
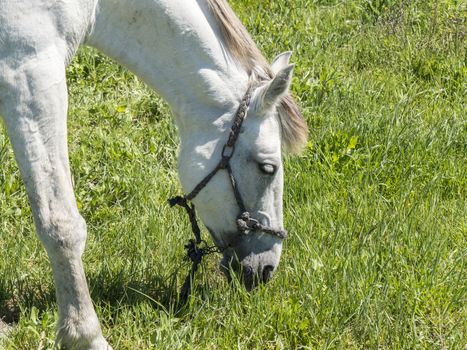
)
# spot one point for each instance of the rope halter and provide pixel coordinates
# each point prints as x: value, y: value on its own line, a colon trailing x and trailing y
x: 197, y: 248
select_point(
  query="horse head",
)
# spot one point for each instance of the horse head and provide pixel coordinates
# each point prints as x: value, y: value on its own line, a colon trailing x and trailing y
x: 242, y: 206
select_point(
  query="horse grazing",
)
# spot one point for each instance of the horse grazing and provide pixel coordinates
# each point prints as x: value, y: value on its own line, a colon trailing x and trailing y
x: 232, y: 109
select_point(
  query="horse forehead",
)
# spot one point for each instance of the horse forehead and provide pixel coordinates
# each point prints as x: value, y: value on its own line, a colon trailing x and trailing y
x: 264, y: 134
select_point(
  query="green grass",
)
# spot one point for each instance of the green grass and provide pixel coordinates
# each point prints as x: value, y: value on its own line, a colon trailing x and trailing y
x: 376, y: 204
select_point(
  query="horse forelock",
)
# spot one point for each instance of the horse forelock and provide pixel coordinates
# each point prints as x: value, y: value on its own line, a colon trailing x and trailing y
x: 293, y: 125
x: 241, y: 46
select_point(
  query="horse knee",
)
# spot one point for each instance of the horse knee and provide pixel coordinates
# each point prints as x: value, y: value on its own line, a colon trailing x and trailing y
x: 61, y: 233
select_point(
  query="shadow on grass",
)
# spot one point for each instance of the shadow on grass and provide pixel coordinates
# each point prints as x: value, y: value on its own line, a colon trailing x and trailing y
x: 161, y: 291
x: 24, y: 295
x: 113, y: 290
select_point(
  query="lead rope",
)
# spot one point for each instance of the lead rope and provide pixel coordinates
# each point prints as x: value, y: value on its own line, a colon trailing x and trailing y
x: 197, y: 248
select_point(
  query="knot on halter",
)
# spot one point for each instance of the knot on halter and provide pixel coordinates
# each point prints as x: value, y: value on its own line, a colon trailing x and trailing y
x: 177, y: 200
x: 193, y: 252
x: 246, y: 223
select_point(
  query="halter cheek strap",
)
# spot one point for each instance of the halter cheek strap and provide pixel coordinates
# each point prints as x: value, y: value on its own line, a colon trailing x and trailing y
x: 197, y: 248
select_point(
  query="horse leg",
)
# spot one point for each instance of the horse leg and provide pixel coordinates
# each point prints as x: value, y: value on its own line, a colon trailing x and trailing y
x: 35, y: 119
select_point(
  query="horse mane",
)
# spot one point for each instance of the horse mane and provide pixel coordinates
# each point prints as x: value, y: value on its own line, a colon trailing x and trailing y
x: 242, y: 47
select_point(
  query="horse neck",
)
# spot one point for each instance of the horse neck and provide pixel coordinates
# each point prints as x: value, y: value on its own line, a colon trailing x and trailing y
x: 175, y: 47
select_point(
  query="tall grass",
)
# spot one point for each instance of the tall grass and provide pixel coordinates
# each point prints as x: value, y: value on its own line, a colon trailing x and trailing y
x: 375, y: 204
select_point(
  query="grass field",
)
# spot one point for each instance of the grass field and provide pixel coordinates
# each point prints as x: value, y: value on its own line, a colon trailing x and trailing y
x: 375, y: 205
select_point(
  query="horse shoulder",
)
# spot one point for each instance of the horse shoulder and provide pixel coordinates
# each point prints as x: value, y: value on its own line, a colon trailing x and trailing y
x: 28, y: 28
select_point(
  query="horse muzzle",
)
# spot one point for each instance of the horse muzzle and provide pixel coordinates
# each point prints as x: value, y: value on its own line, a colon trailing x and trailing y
x: 252, y: 268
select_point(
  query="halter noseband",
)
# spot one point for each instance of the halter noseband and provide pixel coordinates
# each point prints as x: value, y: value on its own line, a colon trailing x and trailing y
x: 245, y: 222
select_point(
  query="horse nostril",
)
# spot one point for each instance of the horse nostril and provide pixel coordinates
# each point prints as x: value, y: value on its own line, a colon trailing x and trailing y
x: 267, y: 273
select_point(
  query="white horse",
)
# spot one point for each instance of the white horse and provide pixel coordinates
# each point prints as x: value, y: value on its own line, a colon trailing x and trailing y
x: 199, y: 57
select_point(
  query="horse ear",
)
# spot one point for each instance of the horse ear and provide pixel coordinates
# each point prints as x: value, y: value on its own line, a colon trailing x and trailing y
x: 270, y: 94
x: 281, y: 61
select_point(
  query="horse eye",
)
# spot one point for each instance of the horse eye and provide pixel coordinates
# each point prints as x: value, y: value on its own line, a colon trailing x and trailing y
x: 267, y: 169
